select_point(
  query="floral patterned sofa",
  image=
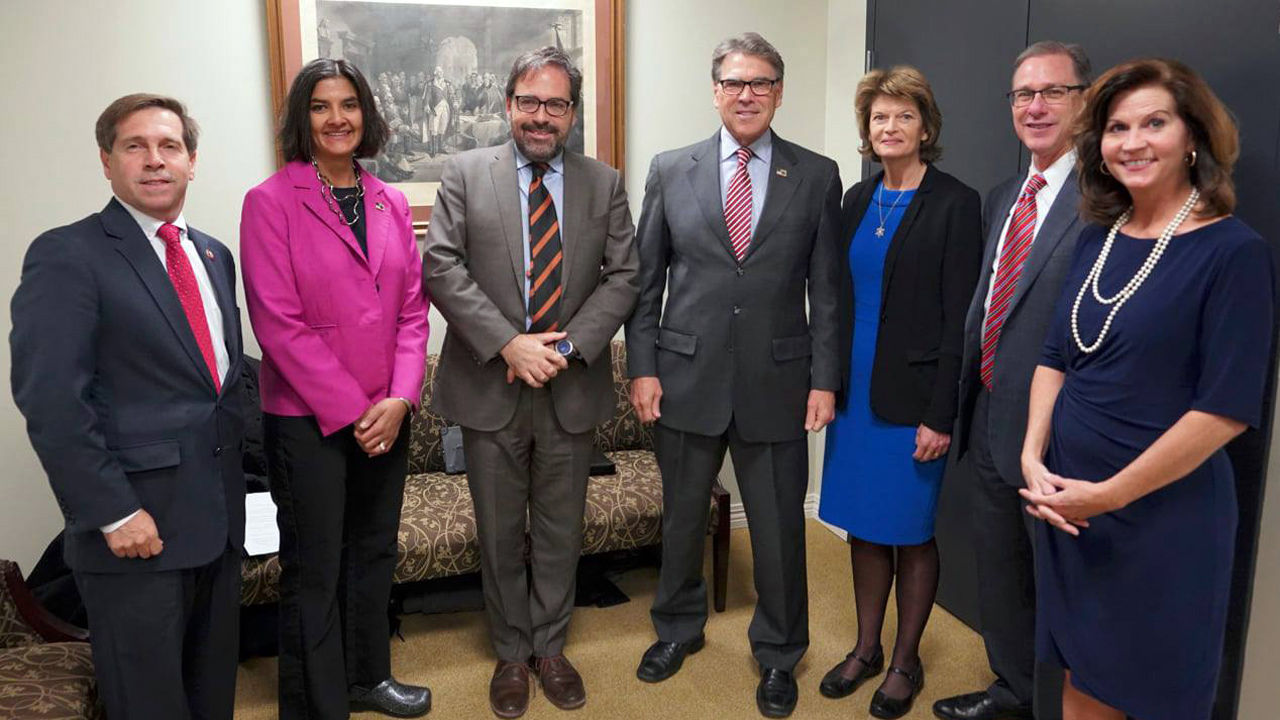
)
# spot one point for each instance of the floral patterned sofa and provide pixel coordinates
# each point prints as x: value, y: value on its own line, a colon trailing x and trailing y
x: 437, y: 523
x: 46, y: 671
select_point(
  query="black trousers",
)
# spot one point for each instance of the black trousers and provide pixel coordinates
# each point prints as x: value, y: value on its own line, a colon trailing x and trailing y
x: 338, y: 512
x: 164, y: 643
x: 773, y: 479
x: 1004, y: 544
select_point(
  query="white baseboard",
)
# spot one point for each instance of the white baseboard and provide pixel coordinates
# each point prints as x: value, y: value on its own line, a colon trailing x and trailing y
x: 738, y: 516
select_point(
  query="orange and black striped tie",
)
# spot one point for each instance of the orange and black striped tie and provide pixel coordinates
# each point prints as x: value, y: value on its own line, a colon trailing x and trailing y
x: 545, y: 255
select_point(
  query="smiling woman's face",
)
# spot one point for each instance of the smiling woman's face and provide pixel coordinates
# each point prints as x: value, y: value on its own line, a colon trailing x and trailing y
x: 337, y: 125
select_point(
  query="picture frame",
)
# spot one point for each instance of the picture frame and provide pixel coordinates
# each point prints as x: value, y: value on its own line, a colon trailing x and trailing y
x: 431, y: 63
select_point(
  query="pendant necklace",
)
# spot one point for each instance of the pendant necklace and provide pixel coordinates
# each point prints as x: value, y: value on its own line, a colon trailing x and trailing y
x: 880, y: 208
x: 1119, y: 299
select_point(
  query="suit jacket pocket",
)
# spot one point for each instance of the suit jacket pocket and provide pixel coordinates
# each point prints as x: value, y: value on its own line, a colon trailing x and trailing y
x: 922, y: 356
x: 148, y: 456
x: 677, y: 342
x: 792, y: 348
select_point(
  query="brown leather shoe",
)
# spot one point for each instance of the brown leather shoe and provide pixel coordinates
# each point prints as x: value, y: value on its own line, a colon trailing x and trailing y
x: 560, y: 682
x: 509, y: 689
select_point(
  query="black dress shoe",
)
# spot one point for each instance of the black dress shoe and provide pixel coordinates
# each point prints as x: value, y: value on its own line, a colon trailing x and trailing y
x: 390, y: 697
x: 663, y: 659
x: 889, y: 708
x: 978, y: 706
x: 777, y: 693
x: 835, y: 685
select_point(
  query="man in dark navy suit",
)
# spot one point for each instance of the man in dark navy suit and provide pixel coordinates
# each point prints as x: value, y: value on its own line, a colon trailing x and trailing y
x: 126, y: 346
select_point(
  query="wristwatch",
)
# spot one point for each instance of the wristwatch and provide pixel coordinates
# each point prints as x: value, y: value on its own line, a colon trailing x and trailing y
x: 567, y: 349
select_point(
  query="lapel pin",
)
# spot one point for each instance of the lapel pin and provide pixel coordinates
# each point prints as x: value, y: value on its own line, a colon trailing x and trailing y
x: 782, y: 172
x: 379, y: 206
x: 208, y: 253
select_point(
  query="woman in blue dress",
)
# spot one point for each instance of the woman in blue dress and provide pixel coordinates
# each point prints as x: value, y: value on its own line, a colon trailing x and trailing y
x: 1156, y: 359
x: 914, y: 249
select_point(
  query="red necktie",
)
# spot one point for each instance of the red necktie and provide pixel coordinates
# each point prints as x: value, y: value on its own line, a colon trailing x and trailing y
x: 1017, y: 245
x: 737, y: 206
x: 184, y: 283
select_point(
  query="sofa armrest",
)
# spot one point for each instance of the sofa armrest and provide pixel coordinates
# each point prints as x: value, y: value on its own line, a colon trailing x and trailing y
x: 31, y: 612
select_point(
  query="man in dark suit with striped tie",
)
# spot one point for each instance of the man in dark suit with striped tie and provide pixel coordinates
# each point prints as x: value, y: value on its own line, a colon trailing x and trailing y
x: 739, y: 230
x: 529, y: 257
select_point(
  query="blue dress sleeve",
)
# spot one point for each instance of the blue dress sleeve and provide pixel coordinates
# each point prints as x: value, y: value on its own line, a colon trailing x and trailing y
x: 1235, y: 332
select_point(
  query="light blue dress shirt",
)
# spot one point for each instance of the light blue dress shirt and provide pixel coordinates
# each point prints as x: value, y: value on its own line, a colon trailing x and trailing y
x: 757, y: 168
x: 554, y: 180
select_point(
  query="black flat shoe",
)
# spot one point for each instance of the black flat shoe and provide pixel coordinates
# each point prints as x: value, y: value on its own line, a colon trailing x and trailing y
x: 835, y: 685
x: 777, y: 693
x: 663, y: 659
x: 390, y: 697
x: 978, y: 706
x: 888, y: 708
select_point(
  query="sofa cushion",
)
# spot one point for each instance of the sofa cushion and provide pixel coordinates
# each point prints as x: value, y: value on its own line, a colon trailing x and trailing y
x: 14, y: 631
x: 623, y: 431
x: 426, y: 454
x: 49, y: 681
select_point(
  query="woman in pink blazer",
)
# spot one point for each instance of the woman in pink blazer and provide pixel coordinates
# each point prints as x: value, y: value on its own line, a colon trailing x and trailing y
x: 333, y: 277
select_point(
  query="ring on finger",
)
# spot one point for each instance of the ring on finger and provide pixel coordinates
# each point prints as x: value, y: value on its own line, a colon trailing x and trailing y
x: 382, y: 446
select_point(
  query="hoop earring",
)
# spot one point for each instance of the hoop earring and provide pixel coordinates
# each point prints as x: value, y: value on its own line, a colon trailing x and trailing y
x: 1191, y: 159
x: 1103, y: 166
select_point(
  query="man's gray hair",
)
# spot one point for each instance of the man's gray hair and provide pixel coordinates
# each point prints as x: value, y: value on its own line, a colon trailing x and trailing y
x: 1079, y: 61
x: 535, y: 60
x: 747, y: 44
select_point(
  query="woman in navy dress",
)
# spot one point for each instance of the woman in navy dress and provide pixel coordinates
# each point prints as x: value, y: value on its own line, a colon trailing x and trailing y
x: 1157, y: 358
x: 914, y: 249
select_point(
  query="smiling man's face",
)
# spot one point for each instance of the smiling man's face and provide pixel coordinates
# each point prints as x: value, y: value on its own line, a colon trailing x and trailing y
x: 747, y: 115
x: 1044, y: 128
x: 149, y: 165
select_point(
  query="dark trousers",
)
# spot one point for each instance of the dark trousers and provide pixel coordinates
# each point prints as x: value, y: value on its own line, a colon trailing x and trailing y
x: 773, y: 479
x: 531, y: 468
x: 164, y: 643
x: 338, y: 512
x: 1006, y: 583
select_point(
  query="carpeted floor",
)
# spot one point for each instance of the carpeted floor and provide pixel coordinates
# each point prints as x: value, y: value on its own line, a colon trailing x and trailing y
x: 451, y: 654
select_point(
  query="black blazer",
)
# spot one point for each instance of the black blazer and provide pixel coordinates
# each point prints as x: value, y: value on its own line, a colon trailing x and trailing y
x: 929, y: 274
x: 120, y: 406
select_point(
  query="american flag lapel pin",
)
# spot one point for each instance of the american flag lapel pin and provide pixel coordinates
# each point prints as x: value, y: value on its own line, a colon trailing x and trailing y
x: 208, y: 253
x: 380, y: 206
x: 782, y: 172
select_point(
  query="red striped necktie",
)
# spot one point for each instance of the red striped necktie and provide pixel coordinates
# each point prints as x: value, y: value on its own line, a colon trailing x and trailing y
x: 184, y: 283
x: 1017, y: 246
x: 544, y: 256
x: 737, y: 206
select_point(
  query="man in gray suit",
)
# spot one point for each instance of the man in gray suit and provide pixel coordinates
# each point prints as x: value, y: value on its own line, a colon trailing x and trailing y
x: 1031, y: 224
x: 530, y: 258
x: 738, y: 230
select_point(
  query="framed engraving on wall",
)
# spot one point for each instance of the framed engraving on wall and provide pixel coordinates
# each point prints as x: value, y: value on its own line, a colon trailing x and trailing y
x: 438, y: 70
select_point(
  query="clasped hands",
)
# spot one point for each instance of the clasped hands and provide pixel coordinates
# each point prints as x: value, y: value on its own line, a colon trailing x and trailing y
x: 1064, y: 503
x: 646, y: 398
x: 533, y: 358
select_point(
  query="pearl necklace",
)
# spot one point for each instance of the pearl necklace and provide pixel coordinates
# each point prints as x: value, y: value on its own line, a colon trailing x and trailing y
x: 1119, y: 299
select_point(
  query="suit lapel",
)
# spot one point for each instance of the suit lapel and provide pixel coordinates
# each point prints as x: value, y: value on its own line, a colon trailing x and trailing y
x: 502, y: 171
x: 1053, y: 230
x: 977, y: 309
x: 573, y: 215
x: 704, y: 175
x: 377, y: 220
x: 783, y: 183
x: 306, y: 182
x: 135, y: 248
x: 904, y: 229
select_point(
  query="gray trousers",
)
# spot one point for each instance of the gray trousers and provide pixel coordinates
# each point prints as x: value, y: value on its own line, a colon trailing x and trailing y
x: 1004, y: 546
x: 530, y: 468
x: 772, y: 479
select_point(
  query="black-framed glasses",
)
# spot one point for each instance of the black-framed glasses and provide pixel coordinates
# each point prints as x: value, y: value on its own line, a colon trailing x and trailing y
x: 759, y: 86
x: 556, y: 107
x: 1054, y: 95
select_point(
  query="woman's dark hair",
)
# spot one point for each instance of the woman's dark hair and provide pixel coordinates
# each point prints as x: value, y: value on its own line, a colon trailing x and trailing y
x: 295, y: 121
x: 1213, y: 133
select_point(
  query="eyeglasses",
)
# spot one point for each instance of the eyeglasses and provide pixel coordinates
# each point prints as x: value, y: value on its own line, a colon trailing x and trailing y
x: 759, y: 86
x: 1054, y: 95
x: 556, y: 107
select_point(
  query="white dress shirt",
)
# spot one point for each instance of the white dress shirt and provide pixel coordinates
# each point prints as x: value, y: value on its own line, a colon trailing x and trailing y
x: 1055, y: 176
x: 212, y: 312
